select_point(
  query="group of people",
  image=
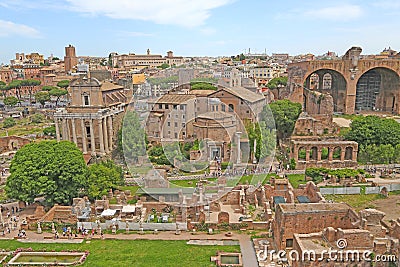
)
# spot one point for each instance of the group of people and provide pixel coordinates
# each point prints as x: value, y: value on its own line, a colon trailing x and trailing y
x: 21, y: 234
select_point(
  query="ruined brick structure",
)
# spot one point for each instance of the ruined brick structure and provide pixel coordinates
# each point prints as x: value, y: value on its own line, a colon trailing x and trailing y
x: 356, y: 84
x: 309, y: 218
x: 12, y: 143
x: 312, y: 152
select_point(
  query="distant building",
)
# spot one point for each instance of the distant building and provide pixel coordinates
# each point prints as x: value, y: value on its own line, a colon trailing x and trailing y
x: 132, y: 60
x: 70, y: 59
x: 32, y: 58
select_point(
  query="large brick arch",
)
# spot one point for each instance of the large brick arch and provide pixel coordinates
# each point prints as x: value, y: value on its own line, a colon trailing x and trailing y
x: 338, y: 86
x: 385, y: 97
x: 351, y: 67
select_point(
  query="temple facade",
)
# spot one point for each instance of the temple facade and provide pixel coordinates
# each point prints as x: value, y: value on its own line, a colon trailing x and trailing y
x: 93, y: 117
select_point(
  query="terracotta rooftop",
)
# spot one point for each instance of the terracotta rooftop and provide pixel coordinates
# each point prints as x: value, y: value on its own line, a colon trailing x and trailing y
x: 245, y: 94
x: 107, y: 86
x: 201, y: 92
x: 175, y: 98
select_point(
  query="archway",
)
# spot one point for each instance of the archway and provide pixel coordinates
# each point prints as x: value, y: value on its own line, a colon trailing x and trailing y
x: 324, y: 153
x: 348, y: 154
x: 302, y: 154
x: 332, y: 82
x: 314, y: 153
x: 337, y: 152
x: 377, y: 89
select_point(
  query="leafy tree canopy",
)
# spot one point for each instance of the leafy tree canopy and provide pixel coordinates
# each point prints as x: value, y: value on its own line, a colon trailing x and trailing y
x: 103, y: 177
x: 10, y: 101
x: 37, y: 118
x: 49, y: 88
x: 54, y: 170
x: 42, y: 97
x: 202, y: 86
x: 285, y: 114
x: 277, y: 82
x: 63, y: 84
x: 368, y: 130
x: 9, y: 122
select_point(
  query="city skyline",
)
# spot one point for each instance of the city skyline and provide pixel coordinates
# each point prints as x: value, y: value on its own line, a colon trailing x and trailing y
x: 195, y: 28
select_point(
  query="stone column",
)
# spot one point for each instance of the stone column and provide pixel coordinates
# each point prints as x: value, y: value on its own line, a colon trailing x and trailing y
x: 319, y: 154
x: 307, y: 154
x: 239, y: 158
x: 110, y: 132
x: 68, y: 131
x: 92, y: 140
x: 74, y: 132
x: 295, y: 153
x: 64, y: 129
x: 101, y: 137
x: 330, y: 155
x: 57, y: 131
x: 342, y: 153
x: 354, y: 154
x: 84, y: 146
x: 105, y: 131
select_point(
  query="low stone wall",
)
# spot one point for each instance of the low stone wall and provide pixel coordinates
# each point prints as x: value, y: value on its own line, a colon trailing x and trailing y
x: 134, y: 226
x: 341, y: 191
x: 378, y: 189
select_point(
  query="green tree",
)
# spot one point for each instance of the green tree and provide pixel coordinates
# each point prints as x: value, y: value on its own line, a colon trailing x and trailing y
x: 132, y: 138
x: 49, y: 169
x: 368, y: 130
x: 58, y: 93
x: 9, y: 122
x: 37, y: 118
x: 202, y: 86
x: 103, y: 177
x: 285, y: 114
x: 10, y: 101
x: 16, y: 84
x: 50, y: 131
x: 30, y: 84
x: 277, y: 82
x: 42, y: 97
x: 48, y: 88
x: 63, y: 84
x: 3, y: 88
x: 164, y: 66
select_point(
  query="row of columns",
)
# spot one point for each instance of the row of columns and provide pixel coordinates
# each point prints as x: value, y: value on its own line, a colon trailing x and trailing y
x: 330, y: 153
x: 105, y: 132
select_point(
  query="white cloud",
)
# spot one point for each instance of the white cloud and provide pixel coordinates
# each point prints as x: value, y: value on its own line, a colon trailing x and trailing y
x: 173, y: 12
x: 8, y: 28
x: 340, y: 13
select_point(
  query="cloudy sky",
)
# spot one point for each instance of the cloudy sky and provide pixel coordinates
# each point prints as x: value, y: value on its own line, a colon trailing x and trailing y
x: 197, y: 27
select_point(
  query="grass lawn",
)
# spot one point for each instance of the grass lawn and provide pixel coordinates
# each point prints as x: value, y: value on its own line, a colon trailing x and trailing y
x: 188, y: 183
x: 254, y: 179
x: 110, y: 253
x: 358, y: 202
x: 23, y: 127
x: 132, y: 188
x: 296, y: 180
